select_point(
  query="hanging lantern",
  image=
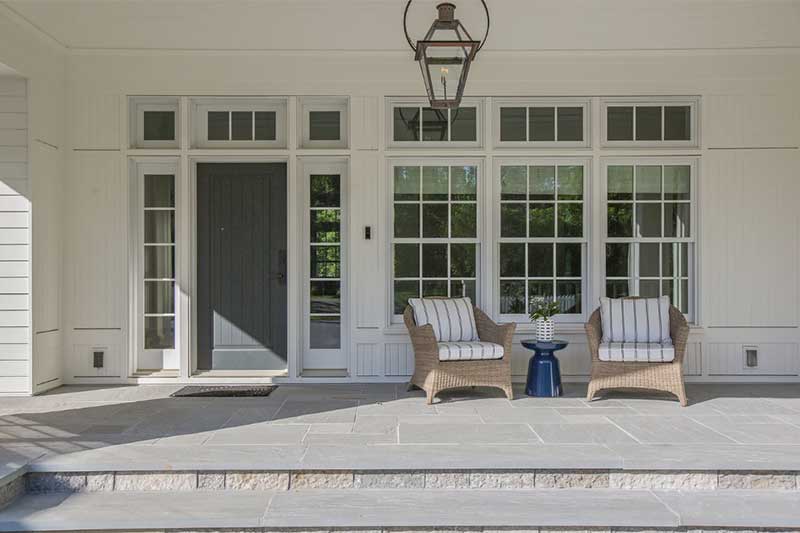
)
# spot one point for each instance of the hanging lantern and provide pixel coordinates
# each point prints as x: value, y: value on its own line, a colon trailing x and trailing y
x: 445, y: 55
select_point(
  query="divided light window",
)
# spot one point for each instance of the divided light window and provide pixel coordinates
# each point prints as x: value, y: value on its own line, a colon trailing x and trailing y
x: 241, y: 125
x: 541, y: 123
x: 219, y: 122
x: 650, y: 239
x: 650, y: 123
x: 543, y: 235
x: 435, y: 231
x: 323, y: 121
x: 428, y: 126
x: 325, y: 279
x: 159, y: 261
x: 154, y: 122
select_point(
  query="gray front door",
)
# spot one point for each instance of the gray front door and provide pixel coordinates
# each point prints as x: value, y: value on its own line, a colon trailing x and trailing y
x: 241, y: 266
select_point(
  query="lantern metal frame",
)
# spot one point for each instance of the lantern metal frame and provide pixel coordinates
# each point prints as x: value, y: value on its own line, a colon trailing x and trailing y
x: 446, y: 21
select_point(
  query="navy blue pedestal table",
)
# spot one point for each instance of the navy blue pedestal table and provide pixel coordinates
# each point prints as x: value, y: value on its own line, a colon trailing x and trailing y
x: 544, y: 374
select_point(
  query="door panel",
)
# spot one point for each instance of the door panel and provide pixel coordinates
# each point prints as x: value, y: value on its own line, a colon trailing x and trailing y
x: 241, y: 266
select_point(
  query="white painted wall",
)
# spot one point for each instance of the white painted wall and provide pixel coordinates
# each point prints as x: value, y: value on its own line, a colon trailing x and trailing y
x: 747, y: 75
x: 41, y: 63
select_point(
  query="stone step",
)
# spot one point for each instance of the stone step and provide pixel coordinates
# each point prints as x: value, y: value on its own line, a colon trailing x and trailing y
x: 382, y: 509
x: 248, y: 480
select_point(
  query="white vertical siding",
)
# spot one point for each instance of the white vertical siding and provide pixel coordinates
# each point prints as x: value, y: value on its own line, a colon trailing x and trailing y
x: 15, y: 240
x: 751, y: 240
x: 97, y: 248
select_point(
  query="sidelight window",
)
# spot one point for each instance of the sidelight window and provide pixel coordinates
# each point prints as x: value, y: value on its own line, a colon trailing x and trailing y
x: 325, y: 263
x: 157, y: 267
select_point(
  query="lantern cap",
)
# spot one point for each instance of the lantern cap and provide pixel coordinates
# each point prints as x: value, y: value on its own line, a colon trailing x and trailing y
x: 446, y: 11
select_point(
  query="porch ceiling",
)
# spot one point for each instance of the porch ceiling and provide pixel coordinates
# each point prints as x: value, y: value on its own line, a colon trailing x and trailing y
x: 376, y: 24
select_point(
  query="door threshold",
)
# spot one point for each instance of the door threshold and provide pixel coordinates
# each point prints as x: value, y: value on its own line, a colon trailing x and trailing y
x: 240, y: 374
x: 325, y: 373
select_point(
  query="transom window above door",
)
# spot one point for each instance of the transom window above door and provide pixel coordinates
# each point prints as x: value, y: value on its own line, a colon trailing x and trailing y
x: 239, y: 122
x: 435, y: 236
x: 412, y: 124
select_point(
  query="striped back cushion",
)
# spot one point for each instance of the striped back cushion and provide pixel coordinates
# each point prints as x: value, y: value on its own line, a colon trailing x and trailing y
x: 452, y: 318
x: 635, y: 320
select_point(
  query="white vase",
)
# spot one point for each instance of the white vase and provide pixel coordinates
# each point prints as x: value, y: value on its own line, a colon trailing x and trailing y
x: 545, y: 329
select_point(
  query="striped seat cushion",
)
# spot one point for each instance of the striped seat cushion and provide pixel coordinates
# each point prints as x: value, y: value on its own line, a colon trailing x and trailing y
x: 637, y: 352
x: 452, y: 318
x: 466, y: 351
x: 643, y: 320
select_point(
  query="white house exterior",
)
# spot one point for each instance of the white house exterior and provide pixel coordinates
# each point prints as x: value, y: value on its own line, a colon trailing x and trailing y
x: 133, y: 134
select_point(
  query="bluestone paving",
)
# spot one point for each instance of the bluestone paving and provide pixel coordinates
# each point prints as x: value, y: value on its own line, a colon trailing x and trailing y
x: 725, y: 427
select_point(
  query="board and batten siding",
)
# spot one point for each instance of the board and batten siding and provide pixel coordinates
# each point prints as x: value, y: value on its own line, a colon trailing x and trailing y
x: 15, y: 240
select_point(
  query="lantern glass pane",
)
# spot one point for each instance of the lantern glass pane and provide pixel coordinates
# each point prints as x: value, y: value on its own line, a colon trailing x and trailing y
x: 444, y: 65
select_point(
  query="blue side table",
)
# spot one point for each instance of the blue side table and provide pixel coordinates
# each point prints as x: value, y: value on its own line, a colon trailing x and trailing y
x: 544, y: 374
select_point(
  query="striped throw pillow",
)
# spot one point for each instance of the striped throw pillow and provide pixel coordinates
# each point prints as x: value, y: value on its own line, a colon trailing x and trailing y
x: 635, y: 320
x: 452, y: 318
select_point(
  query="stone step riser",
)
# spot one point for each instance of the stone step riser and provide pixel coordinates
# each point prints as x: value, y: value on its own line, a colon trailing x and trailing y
x: 51, y: 482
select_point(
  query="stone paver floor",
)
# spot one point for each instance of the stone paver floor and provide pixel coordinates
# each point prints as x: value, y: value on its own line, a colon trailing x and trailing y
x: 365, y: 416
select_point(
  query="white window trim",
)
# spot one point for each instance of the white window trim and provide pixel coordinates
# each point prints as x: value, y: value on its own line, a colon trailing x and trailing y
x: 138, y: 105
x: 588, y: 198
x: 392, y: 103
x: 527, y: 103
x: 315, y: 359
x: 308, y: 104
x: 692, y: 101
x: 169, y: 358
x: 199, y: 120
x: 694, y: 228
x: 479, y: 240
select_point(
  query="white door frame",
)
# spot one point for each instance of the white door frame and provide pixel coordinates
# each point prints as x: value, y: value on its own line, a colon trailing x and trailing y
x: 315, y: 359
x: 292, y: 281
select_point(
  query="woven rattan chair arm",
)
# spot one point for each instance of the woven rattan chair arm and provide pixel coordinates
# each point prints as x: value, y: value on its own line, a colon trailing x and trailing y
x: 594, y: 333
x: 679, y: 331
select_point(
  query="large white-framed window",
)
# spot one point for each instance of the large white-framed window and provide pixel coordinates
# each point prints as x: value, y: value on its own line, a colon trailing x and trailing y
x: 435, y: 229
x: 155, y: 190
x: 541, y: 122
x: 669, y: 122
x: 412, y: 124
x: 242, y: 122
x: 154, y: 122
x: 326, y: 289
x: 650, y: 228
x: 542, y: 235
x: 324, y: 121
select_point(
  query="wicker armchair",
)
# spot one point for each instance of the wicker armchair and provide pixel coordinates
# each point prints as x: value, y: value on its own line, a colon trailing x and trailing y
x: 666, y: 377
x: 434, y: 376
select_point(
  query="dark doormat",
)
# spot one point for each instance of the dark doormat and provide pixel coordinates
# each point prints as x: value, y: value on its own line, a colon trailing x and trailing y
x: 224, y: 391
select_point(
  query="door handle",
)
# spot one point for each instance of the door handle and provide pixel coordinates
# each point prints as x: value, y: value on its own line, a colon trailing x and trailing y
x: 280, y: 276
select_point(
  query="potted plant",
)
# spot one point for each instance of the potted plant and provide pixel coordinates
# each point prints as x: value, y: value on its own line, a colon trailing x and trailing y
x: 542, y: 311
